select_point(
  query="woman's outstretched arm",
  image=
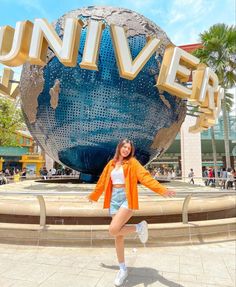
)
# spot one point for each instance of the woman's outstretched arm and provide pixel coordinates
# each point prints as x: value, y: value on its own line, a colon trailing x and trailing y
x: 145, y: 178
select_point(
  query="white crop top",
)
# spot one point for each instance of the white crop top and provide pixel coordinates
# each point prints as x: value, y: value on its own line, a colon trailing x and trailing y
x: 117, y: 176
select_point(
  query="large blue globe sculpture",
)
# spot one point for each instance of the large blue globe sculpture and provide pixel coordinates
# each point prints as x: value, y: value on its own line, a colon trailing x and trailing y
x: 78, y: 115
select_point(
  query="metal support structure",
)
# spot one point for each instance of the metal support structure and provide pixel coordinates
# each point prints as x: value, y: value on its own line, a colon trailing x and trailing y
x: 42, y: 210
x: 185, y: 208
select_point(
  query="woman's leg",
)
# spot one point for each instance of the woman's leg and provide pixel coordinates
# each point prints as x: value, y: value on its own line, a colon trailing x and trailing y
x: 118, y: 229
x: 117, y: 226
x: 120, y: 249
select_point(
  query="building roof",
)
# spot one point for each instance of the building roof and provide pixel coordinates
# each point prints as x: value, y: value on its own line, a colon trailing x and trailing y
x: 13, y: 151
x: 24, y: 134
x: 191, y: 47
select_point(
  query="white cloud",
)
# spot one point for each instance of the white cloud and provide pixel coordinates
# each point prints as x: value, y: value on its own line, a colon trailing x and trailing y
x: 188, y: 10
x: 186, y: 19
x: 176, y: 17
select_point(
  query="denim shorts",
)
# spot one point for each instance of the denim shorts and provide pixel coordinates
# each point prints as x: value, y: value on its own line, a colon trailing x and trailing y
x: 118, y: 199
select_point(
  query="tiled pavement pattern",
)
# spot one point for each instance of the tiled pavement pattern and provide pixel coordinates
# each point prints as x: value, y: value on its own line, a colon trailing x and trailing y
x: 209, y: 265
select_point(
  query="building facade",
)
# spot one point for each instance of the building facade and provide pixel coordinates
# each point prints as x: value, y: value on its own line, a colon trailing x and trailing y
x: 173, y: 158
x: 22, y: 156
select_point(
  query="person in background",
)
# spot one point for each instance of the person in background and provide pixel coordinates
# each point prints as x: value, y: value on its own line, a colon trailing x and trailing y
x: 3, y: 179
x: 50, y: 173
x: 205, y: 176
x: 23, y: 173
x: 54, y: 171
x: 223, y: 178
x: 16, y: 176
x: 234, y: 175
x: 173, y: 174
x: 230, y: 178
x: 7, y: 172
x: 211, y: 177
x: 191, y: 175
x: 44, y: 172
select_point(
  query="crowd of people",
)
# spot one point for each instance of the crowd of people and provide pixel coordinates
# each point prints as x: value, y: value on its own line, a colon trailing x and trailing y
x: 47, y: 174
x: 167, y: 173
x: 16, y: 174
x: 12, y: 173
x: 226, y: 178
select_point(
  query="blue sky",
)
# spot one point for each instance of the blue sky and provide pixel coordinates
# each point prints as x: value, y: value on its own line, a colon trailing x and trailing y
x: 182, y: 20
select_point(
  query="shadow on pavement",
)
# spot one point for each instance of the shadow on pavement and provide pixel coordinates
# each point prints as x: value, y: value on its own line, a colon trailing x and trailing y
x: 136, y: 277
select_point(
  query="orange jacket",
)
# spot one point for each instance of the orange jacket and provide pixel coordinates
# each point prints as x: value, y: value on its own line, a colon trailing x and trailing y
x: 133, y: 172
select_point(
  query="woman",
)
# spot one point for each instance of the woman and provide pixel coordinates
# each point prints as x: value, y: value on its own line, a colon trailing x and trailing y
x: 119, y: 181
x: 234, y: 174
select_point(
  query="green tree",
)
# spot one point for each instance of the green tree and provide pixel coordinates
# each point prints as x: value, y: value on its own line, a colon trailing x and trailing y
x: 11, y: 120
x: 219, y: 53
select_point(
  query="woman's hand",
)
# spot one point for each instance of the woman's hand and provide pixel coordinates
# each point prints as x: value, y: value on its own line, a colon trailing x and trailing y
x: 170, y: 193
x: 88, y: 199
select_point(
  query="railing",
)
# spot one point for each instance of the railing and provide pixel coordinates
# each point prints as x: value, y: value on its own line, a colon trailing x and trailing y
x: 41, y: 200
x: 204, y: 193
x: 73, y: 176
x: 11, y: 178
x: 195, y: 177
x: 217, y: 182
x: 43, y: 212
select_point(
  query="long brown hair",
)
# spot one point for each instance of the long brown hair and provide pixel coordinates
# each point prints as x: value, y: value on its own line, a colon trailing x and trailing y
x: 119, y: 146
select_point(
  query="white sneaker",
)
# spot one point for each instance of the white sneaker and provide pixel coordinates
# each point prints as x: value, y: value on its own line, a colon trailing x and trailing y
x: 120, y: 277
x: 143, y: 232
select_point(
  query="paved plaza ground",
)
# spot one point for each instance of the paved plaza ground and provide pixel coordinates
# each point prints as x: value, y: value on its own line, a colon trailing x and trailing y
x: 205, y: 265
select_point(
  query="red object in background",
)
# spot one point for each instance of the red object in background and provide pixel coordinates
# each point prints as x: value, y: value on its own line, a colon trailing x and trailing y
x: 191, y: 47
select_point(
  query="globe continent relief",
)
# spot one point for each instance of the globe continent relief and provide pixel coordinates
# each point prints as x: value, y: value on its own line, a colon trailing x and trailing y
x: 78, y: 115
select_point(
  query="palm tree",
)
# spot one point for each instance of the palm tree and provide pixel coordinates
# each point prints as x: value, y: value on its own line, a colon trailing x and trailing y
x: 219, y: 53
